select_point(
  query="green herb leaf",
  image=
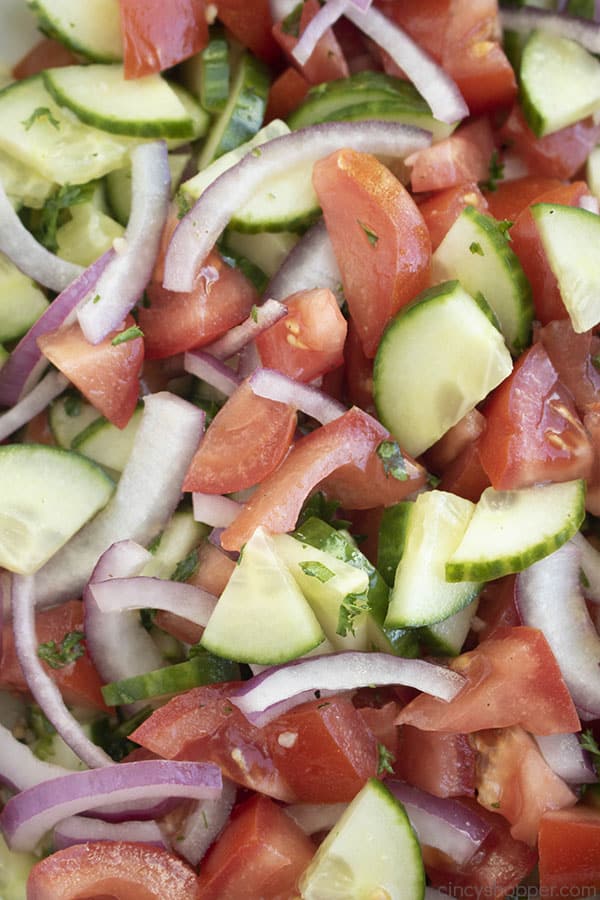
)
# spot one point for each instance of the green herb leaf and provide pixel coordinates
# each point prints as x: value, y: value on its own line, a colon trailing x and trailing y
x: 54, y: 210
x: 371, y: 236
x: 183, y: 204
x: 57, y: 656
x: 393, y: 461
x: 385, y: 760
x: 43, y: 732
x: 317, y: 570
x: 596, y: 362
x: 504, y: 225
x: 496, y: 171
x: 72, y: 405
x: 254, y: 313
x: 42, y: 112
x: 352, y: 606
x: 433, y: 480
x: 475, y: 247
x: 147, y: 617
x: 96, y: 299
x: 319, y: 507
x: 588, y: 742
x: 128, y: 335
x: 186, y: 567
x: 291, y: 23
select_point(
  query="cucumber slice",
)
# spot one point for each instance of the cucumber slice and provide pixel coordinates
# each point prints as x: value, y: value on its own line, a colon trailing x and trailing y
x: 560, y: 82
x: 102, y: 97
x: 199, y: 117
x: 92, y: 28
x: 68, y: 416
x: 437, y: 359
x: 55, y: 144
x: 207, y: 73
x: 23, y: 186
x: 267, y: 251
x: 202, y: 669
x: 262, y: 615
x: 447, y: 638
x: 421, y: 595
x: 510, y: 530
x: 21, y: 301
x: 332, y: 587
x: 106, y: 444
x: 118, y: 185
x: 14, y: 872
x: 570, y: 237
x: 592, y: 171
x: 371, y: 852
x: 87, y: 235
x: 46, y: 495
x: 477, y: 252
x: 244, y: 112
x: 391, y: 539
x: 181, y: 537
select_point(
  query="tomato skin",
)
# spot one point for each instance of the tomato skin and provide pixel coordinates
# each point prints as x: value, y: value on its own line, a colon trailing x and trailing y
x: 121, y: 869
x: 443, y: 208
x: 497, y: 607
x: 79, y: 683
x: 465, y: 475
x: 156, y: 37
x: 510, y: 198
x: 107, y: 375
x: 571, y: 356
x: 261, y: 853
x: 533, y: 433
x: 514, y: 778
x: 380, y: 240
x: 426, y: 22
x: 454, y: 441
x: 244, y: 443
x: 250, y: 24
x: 373, y: 487
x: 358, y: 372
x: 309, y: 341
x: 326, y: 62
x: 174, y: 322
x: 441, y: 764
x: 512, y: 679
x: 462, y: 157
x: 46, y: 54
x: 286, y: 93
x: 569, y: 847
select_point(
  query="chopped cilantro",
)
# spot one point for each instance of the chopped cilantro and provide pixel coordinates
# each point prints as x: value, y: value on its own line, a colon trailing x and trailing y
x: 96, y: 299
x: 504, y: 225
x: 186, y: 567
x: 147, y: 617
x: 433, y: 480
x: 129, y: 334
x: 393, y: 461
x: 319, y: 507
x: 596, y: 361
x: 53, y: 212
x: 113, y: 737
x: 72, y: 405
x: 588, y: 742
x: 371, y: 236
x: 42, y: 112
x: 291, y: 23
x: 254, y: 313
x: 475, y: 247
x: 257, y: 152
x: 352, y: 606
x: 43, y: 732
x: 317, y: 570
x: 385, y: 760
x: 59, y: 655
x: 496, y: 171
x: 183, y: 204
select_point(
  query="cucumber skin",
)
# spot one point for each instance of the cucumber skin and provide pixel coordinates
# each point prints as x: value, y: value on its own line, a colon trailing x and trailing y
x: 194, y: 672
x: 48, y: 27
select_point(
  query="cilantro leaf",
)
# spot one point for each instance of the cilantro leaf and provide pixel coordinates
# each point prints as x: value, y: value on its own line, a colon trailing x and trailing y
x: 385, y: 760
x: 588, y: 742
x: 42, y: 112
x: 496, y: 171
x: 319, y: 507
x: 476, y: 247
x: 53, y: 212
x: 183, y: 204
x: 59, y: 655
x: 371, y: 236
x: 393, y: 461
x: 130, y: 334
x: 317, y: 570
x: 352, y: 606
x: 186, y: 567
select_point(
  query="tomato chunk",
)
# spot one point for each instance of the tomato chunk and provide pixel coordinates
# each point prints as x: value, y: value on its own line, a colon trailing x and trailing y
x: 244, y: 443
x: 46, y: 54
x: 326, y: 62
x: 512, y: 679
x: 261, y: 853
x: 462, y: 157
x: 572, y: 357
x: 510, y: 198
x: 286, y: 93
x: 380, y: 240
x: 106, y: 374
x: 443, y: 208
x: 250, y: 24
x: 441, y: 764
x: 156, y: 36
x: 569, y: 846
x: 120, y: 869
x: 497, y: 607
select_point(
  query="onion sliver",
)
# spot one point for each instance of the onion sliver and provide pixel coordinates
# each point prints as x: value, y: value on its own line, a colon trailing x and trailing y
x: 590, y: 566
x: 204, y: 824
x: 316, y: 28
x: 198, y: 231
x: 566, y: 757
x: 280, y: 688
x: 584, y: 31
x: 79, y: 829
x: 310, y: 263
x: 237, y: 337
x: 124, y: 280
x: 41, y: 685
x: 124, y: 594
x: 549, y: 597
x: 313, y: 817
x: 146, y: 496
x: 214, y: 509
x: 36, y: 400
x: 274, y: 385
x: 28, y: 815
x: 211, y: 370
x: 28, y: 254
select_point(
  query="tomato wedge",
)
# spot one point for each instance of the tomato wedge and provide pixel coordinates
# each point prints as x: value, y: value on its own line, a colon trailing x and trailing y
x: 326, y: 62
x: 510, y: 198
x: 244, y: 443
x: 573, y: 356
x: 379, y: 237
x: 512, y: 679
x: 441, y: 764
x: 462, y: 157
x: 443, y: 208
x: 286, y: 93
x: 569, y: 846
x: 157, y: 36
x: 250, y: 24
x: 46, y: 54
x: 121, y: 869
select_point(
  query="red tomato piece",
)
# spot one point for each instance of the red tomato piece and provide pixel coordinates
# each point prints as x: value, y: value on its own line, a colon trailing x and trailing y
x: 251, y: 24
x: 426, y: 22
x: 558, y: 155
x: 309, y: 341
x: 78, y: 681
x: 527, y: 244
x: 261, y: 853
x: 286, y: 93
x: 499, y: 865
x: 571, y: 356
x: 326, y: 62
x: 373, y: 486
x: 465, y: 475
x: 106, y: 374
x: 380, y: 240
x: 324, y: 750
x: 569, y: 847
x: 349, y: 440
x: 157, y: 36
x: 46, y: 54
x: 117, y: 869
x: 512, y: 679
x: 244, y: 443
x: 533, y: 433
x: 497, y: 607
x: 380, y: 718
x: 174, y: 322
x: 358, y: 372
x: 443, y: 208
x: 462, y: 157
x: 510, y: 198
x: 514, y: 778
x: 451, y: 444
x: 38, y: 431
x: 483, y: 74
x: 441, y: 764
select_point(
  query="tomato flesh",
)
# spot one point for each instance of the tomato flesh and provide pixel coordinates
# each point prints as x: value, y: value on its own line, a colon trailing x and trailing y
x: 441, y: 764
x: 569, y: 846
x: 462, y: 157
x: 443, y: 208
x: 156, y: 37
x: 326, y: 62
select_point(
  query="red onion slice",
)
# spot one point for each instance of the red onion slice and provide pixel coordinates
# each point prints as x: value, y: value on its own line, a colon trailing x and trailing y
x: 435, y: 86
x: 549, y: 597
x: 311, y: 263
x: 146, y: 496
x: 26, y: 817
x: 212, y: 371
x: 197, y: 232
x: 316, y: 28
x: 204, y: 824
x: 79, y: 829
x: 19, y: 767
x: 267, y: 695
x: 125, y: 594
x: 26, y: 362
x: 124, y: 280
x: 274, y: 385
x: 237, y: 337
x: 40, y: 684
x: 214, y: 509
x: 28, y: 254
x: 526, y: 19
x: 37, y: 400
x: 590, y: 566
x: 444, y: 824
x: 589, y: 203
x: 566, y: 758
